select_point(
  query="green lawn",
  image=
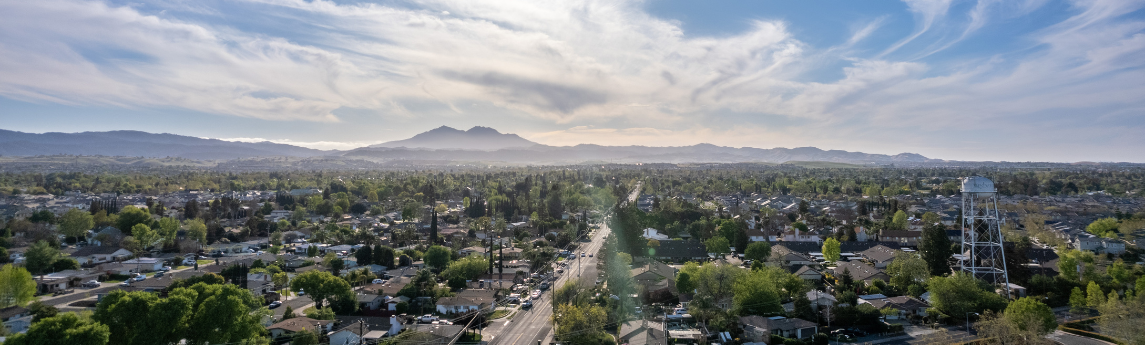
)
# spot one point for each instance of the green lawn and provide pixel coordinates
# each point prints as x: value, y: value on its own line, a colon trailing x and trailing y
x: 498, y: 314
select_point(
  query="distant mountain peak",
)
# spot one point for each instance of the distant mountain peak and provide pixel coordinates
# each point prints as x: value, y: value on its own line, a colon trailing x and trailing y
x: 476, y: 138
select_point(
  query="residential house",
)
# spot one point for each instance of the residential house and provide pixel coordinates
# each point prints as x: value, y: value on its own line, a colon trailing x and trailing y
x: 653, y: 234
x: 1101, y: 245
x: 16, y: 319
x: 642, y: 332
x: 859, y: 271
x: 756, y: 235
x: 880, y: 256
x: 904, y: 237
x: 783, y: 255
x: 680, y: 250
x: 144, y: 264
x: 905, y: 305
x: 92, y: 255
x: 351, y: 334
x: 298, y: 324
x: 807, y: 273
x: 654, y: 279
x: 759, y: 329
x: 370, y: 301
x: 466, y: 301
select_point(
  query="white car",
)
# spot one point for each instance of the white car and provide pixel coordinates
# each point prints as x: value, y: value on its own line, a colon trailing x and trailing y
x: 188, y: 262
x: 427, y: 318
x: 378, y: 281
x: 536, y: 294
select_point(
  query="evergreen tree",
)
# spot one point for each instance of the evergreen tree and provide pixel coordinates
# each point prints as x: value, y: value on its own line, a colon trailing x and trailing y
x: 935, y: 248
x: 433, y: 228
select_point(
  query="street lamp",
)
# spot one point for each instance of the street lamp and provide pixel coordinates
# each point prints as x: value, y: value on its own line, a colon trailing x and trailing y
x: 968, y: 321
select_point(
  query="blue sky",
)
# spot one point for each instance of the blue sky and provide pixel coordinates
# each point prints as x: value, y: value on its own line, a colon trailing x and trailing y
x: 1017, y: 80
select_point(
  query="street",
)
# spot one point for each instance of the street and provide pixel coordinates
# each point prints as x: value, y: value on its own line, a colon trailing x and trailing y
x: 533, y: 325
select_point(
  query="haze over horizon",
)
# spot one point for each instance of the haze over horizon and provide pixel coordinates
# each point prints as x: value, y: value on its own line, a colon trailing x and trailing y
x: 1034, y: 80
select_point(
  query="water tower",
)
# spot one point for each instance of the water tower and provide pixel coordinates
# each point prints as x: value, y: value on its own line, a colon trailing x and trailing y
x: 982, y: 252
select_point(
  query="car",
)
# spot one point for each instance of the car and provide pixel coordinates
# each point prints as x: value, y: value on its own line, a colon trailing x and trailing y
x: 590, y: 255
x: 597, y: 281
x: 91, y: 284
x: 427, y: 318
x: 536, y: 294
x: 125, y: 283
x: 160, y: 274
x: 189, y: 262
x: 582, y: 254
x: 560, y: 270
x: 378, y: 281
x: 140, y: 278
x: 165, y: 269
x: 274, y: 304
x: 527, y: 305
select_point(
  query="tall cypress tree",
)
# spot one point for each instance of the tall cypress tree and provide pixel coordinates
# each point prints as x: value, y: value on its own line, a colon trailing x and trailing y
x: 433, y: 228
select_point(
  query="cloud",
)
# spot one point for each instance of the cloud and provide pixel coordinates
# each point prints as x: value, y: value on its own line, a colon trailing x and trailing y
x: 634, y: 77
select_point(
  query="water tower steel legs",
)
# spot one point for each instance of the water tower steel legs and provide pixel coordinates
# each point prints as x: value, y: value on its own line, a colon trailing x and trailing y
x: 982, y: 241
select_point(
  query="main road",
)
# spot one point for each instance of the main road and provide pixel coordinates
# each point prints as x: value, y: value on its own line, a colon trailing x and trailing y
x: 531, y: 326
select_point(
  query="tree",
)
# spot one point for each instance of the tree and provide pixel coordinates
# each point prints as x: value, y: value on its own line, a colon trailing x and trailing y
x: 907, y: 269
x: 758, y: 251
x: 75, y: 223
x: 467, y: 268
x: 899, y: 221
x: 831, y: 250
x: 433, y: 227
x: 288, y: 313
x: 1077, y: 302
x: 1002, y: 329
x: 306, y: 337
x: 140, y: 318
x: 41, y: 311
x: 168, y: 228
x: 1104, y: 227
x: 684, y: 283
x: 62, y: 329
x: 280, y: 280
x: 40, y: 257
x: 196, y: 230
x: 223, y: 313
x: 321, y: 313
x: 384, y: 255
x: 16, y: 286
x: 1029, y: 314
x: 131, y: 216
x: 580, y: 324
x: 147, y: 238
x: 321, y: 286
x: 365, y: 255
x: 961, y: 293
x: 209, y: 279
x: 437, y: 257
x: 1094, y: 296
x: 64, y: 263
x: 718, y: 245
x: 935, y: 248
x: 755, y: 294
x: 1072, y: 260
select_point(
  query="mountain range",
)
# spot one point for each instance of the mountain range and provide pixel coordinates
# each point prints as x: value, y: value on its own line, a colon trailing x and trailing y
x: 443, y: 144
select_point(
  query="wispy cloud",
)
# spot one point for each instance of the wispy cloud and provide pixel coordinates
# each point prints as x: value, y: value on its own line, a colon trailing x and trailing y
x: 610, y: 64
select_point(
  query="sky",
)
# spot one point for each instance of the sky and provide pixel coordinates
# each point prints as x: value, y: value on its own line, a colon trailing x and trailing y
x: 1014, y: 80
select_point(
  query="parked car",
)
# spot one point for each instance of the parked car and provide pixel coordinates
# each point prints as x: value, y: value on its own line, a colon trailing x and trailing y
x: 165, y: 269
x: 527, y: 305
x: 140, y: 277
x: 160, y: 274
x: 188, y: 262
x: 91, y: 284
x: 536, y: 294
x: 274, y: 304
x: 427, y: 318
x: 378, y: 281
x: 125, y: 283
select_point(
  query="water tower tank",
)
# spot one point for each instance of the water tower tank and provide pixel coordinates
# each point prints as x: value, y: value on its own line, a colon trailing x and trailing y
x: 978, y: 185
